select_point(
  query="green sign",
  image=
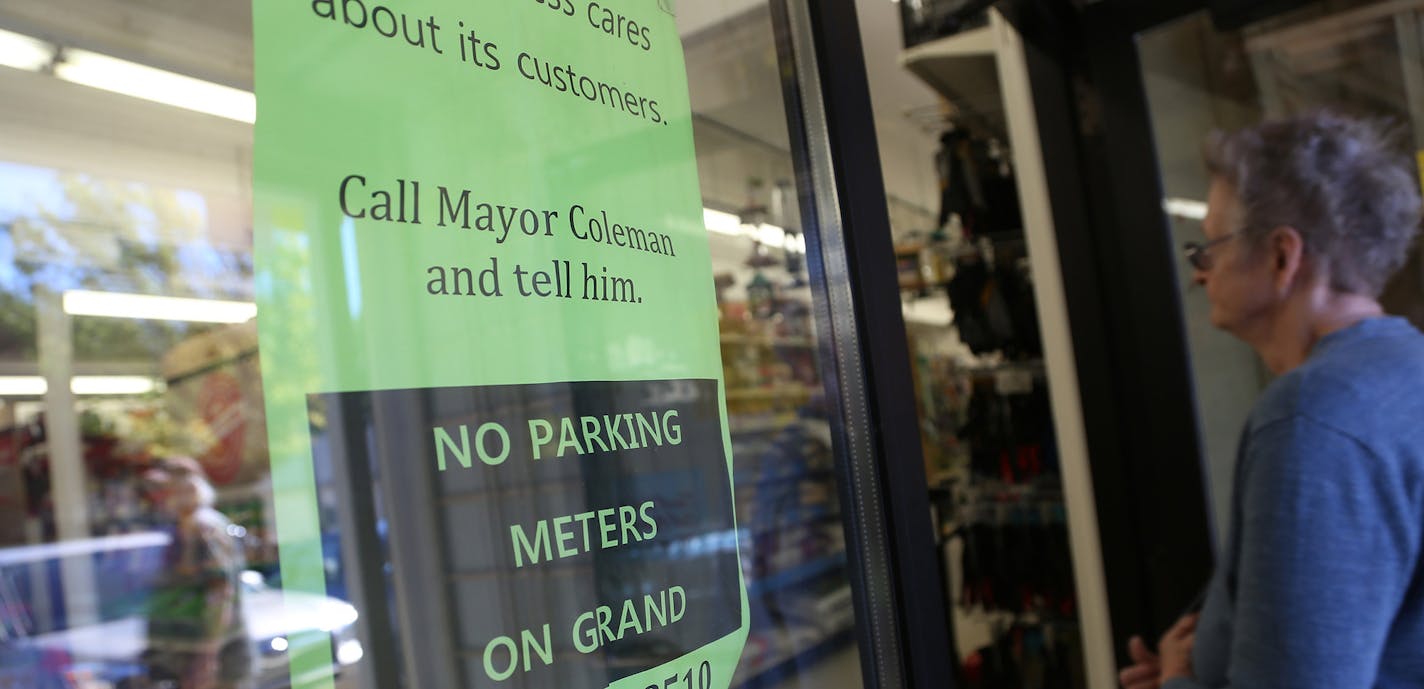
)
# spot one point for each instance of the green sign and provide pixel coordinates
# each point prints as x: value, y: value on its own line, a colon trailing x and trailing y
x: 485, y: 298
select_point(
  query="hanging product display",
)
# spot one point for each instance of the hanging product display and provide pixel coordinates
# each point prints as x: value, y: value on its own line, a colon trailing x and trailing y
x: 992, y: 300
x: 1003, y: 535
x: 1037, y: 656
x: 977, y: 184
x: 987, y: 430
x: 489, y: 343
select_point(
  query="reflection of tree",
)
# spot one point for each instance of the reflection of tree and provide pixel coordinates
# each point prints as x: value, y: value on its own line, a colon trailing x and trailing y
x: 294, y: 344
x: 17, y: 319
x: 108, y: 236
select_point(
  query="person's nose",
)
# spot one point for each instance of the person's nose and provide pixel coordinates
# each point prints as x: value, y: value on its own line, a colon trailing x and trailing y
x: 1199, y: 277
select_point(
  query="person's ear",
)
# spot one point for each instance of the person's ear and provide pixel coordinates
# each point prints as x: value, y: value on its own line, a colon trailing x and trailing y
x: 1287, y: 256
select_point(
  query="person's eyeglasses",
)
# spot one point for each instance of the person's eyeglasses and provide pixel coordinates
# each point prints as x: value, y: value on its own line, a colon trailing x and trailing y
x: 1197, y: 252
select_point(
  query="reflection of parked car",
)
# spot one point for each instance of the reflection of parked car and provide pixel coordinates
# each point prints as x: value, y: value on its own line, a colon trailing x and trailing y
x: 108, y: 654
x: 276, y: 619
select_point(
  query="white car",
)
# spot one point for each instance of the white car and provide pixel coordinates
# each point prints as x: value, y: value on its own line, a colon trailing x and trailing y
x: 108, y: 654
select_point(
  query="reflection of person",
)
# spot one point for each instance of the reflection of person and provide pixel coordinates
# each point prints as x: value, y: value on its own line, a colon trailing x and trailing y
x: 1320, y: 583
x: 196, y: 631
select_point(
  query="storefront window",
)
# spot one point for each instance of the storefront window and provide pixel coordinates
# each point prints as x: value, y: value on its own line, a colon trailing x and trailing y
x: 139, y: 498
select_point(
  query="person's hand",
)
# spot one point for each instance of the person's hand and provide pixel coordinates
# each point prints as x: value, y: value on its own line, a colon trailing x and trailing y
x: 1175, y: 648
x: 1146, y: 669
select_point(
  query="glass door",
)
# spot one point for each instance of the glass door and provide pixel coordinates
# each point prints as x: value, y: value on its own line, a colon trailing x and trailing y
x: 164, y: 517
x: 1363, y: 58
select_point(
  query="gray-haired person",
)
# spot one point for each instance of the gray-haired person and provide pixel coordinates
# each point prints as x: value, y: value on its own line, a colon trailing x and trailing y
x: 1319, y: 583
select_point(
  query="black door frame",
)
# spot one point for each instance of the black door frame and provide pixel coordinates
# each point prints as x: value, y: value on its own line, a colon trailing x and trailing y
x: 1158, y: 501
x: 1126, y: 312
x: 905, y: 638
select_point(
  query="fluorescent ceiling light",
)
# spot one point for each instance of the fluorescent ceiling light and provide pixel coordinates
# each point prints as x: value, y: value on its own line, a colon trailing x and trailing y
x: 22, y: 386
x: 1185, y: 208
x: 22, y: 52
x: 112, y: 385
x: 728, y: 224
x: 159, y: 86
x: 34, y: 386
x: 143, y: 306
x: 128, y: 78
x: 722, y: 223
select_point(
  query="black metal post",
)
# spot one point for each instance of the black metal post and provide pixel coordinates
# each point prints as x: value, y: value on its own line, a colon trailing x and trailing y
x: 905, y: 636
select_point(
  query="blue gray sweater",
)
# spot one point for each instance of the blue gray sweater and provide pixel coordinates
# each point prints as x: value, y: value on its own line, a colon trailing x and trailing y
x: 1320, y: 584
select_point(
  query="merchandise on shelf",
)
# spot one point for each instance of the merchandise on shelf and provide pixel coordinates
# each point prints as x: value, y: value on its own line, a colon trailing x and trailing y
x: 1006, y: 565
x: 1033, y: 656
x: 793, y: 545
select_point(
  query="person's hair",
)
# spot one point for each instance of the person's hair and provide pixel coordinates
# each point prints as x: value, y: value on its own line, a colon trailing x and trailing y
x: 188, y: 469
x: 203, y: 491
x: 1341, y: 182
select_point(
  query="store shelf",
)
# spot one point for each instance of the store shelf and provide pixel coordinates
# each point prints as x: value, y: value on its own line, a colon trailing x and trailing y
x: 767, y: 341
x: 785, y: 476
x: 764, y: 425
x: 769, y: 393
x: 796, y: 575
x: 785, y: 667
x: 963, y: 68
x: 971, y: 43
x: 797, y: 517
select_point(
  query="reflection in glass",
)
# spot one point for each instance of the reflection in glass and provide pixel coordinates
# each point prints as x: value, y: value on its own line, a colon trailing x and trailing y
x: 109, y: 201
